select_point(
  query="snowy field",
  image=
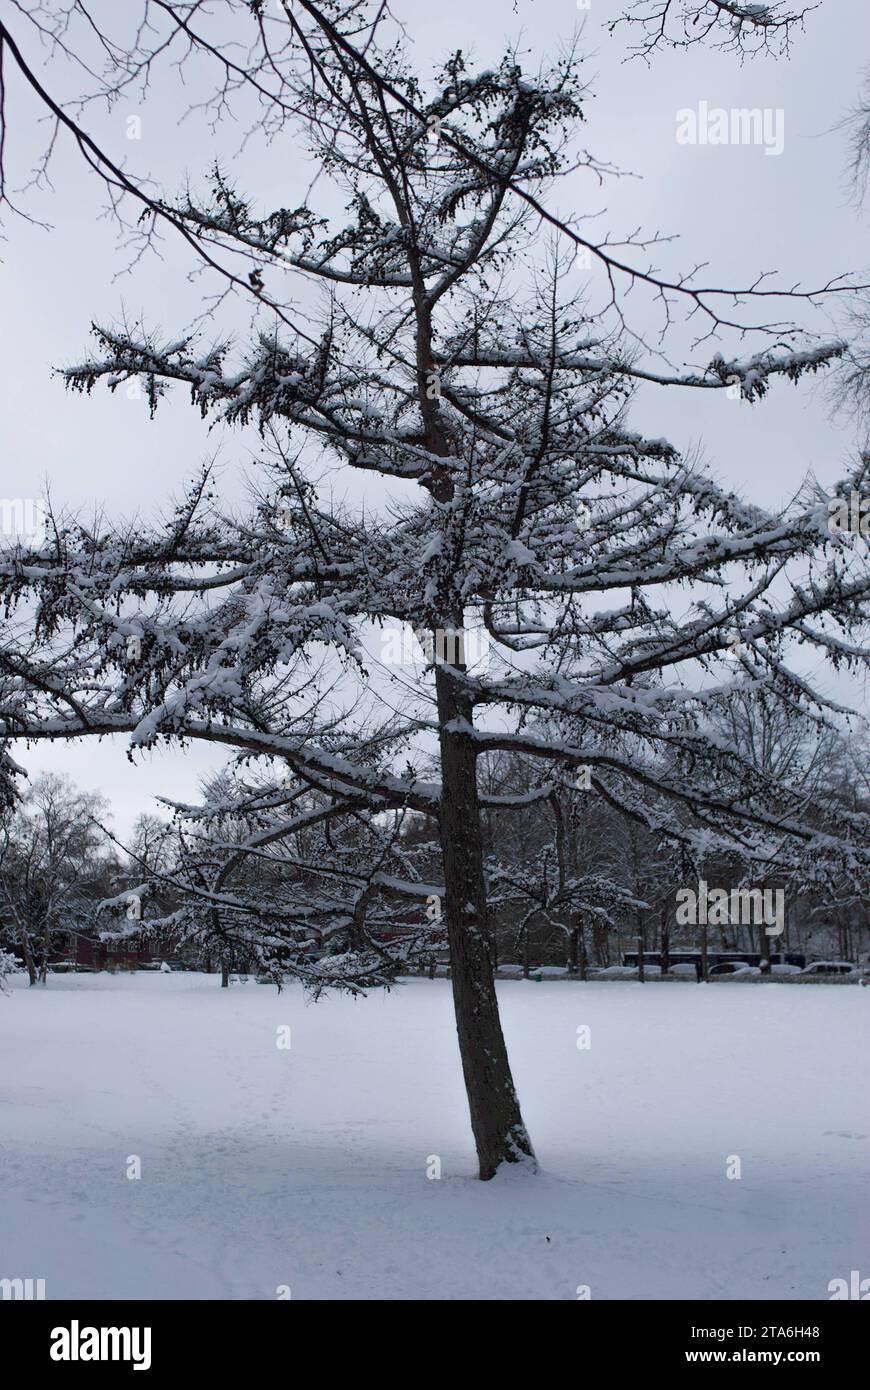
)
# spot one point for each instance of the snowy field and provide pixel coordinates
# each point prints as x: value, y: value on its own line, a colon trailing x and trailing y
x: 264, y: 1167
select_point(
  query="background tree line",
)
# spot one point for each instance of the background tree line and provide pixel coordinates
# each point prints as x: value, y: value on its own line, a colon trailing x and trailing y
x: 572, y: 879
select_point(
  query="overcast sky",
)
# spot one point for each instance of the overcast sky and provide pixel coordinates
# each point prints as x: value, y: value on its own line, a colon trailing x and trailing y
x: 733, y: 206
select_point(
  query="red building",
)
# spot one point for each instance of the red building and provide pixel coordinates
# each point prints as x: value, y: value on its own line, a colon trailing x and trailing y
x: 79, y: 951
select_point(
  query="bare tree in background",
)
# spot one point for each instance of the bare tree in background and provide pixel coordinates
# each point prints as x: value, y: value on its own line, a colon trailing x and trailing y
x: 53, y: 866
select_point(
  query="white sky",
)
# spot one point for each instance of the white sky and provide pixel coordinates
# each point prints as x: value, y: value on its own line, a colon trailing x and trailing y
x: 733, y: 207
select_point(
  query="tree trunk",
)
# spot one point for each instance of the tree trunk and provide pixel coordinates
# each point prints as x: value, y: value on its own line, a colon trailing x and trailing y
x: 46, y: 952
x: 574, y: 950
x: 225, y: 975
x: 496, y: 1121
x: 28, y: 957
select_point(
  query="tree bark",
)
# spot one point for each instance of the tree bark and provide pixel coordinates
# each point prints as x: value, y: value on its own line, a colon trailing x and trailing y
x: 46, y: 952
x: 28, y: 957
x: 496, y: 1121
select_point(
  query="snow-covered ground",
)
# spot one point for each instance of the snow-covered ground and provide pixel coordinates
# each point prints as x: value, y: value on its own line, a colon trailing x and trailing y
x: 307, y: 1167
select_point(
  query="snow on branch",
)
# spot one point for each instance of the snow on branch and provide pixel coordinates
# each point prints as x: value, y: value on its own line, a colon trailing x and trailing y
x: 745, y: 27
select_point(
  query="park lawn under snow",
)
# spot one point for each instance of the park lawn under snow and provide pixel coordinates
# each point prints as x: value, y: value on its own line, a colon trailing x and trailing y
x: 264, y: 1167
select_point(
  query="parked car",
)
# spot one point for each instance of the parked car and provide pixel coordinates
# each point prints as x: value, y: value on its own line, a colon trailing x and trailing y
x: 830, y: 967
x: 733, y: 967
x: 622, y: 972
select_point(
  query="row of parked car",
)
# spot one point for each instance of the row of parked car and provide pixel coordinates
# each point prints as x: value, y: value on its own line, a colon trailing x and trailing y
x: 728, y: 969
x: 816, y: 970
x: 733, y: 969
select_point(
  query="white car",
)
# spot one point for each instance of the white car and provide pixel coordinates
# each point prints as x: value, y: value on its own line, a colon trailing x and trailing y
x: 622, y: 972
x: 830, y: 967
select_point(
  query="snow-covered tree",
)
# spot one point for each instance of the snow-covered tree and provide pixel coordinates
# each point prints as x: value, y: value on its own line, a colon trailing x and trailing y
x: 8, y: 966
x: 556, y: 868
x: 276, y: 874
x: 53, y: 868
x: 625, y: 598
